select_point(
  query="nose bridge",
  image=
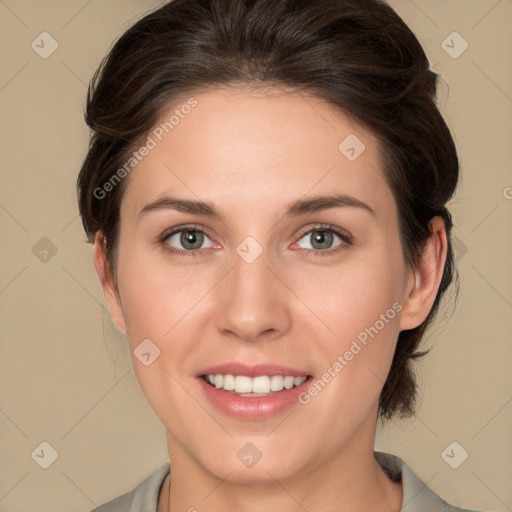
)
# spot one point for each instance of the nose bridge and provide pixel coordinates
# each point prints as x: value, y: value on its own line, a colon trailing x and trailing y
x: 251, y: 274
x: 252, y: 302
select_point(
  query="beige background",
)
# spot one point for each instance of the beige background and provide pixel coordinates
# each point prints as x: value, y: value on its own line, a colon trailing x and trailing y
x: 66, y: 376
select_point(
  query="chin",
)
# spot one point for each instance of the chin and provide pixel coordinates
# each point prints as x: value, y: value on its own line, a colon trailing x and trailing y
x: 255, y: 460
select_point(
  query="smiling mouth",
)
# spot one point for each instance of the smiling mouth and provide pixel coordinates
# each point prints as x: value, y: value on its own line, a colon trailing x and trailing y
x: 263, y: 385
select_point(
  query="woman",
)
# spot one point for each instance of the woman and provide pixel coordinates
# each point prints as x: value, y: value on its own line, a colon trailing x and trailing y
x: 266, y: 191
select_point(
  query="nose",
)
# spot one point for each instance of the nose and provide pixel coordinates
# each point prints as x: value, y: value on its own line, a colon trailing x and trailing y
x: 253, y: 302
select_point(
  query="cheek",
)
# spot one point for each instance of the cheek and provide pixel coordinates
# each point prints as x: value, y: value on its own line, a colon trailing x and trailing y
x: 157, y: 295
x: 360, y: 307
x: 352, y: 297
x: 362, y: 310
x: 161, y: 303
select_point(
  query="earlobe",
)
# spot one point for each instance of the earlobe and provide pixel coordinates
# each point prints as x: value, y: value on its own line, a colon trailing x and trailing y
x: 425, y: 278
x: 106, y: 275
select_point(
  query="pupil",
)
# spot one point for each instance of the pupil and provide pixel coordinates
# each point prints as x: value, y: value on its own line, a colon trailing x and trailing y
x: 323, y: 236
x: 190, y: 237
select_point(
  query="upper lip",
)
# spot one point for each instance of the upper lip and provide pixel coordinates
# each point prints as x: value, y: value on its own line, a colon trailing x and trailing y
x: 255, y: 370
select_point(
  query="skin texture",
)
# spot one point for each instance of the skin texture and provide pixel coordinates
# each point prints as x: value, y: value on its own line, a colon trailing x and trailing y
x: 251, y: 153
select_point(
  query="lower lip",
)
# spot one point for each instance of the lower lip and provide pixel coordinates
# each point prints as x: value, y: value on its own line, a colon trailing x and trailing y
x: 253, y: 408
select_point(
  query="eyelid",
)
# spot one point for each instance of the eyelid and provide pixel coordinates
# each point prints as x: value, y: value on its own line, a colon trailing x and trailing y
x: 345, y: 235
x: 185, y: 227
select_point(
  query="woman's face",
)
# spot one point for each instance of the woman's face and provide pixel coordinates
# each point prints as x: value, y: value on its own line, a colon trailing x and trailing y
x: 266, y: 286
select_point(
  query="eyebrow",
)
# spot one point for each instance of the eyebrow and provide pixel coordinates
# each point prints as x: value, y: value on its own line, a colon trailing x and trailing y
x: 293, y: 209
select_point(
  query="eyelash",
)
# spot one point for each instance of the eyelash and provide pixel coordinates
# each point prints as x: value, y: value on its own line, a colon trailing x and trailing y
x: 345, y: 237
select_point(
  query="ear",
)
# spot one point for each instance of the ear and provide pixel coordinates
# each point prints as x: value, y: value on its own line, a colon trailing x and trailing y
x: 425, y: 278
x: 108, y: 282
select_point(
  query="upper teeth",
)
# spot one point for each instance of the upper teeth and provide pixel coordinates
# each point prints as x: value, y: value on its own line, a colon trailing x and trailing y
x: 261, y: 384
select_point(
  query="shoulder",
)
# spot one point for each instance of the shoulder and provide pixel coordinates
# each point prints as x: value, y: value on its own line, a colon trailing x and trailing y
x: 142, y: 498
x: 417, y: 495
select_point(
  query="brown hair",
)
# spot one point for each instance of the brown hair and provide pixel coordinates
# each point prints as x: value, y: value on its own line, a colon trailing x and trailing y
x: 358, y: 55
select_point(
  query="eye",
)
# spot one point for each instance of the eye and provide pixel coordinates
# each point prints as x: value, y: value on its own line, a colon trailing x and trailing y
x: 190, y: 240
x: 186, y: 240
x: 320, y: 239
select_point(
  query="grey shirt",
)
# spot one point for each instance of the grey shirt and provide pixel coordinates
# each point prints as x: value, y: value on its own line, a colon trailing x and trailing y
x: 417, y: 496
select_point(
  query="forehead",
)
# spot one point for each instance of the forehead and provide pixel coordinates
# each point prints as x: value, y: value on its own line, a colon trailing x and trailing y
x: 239, y: 146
